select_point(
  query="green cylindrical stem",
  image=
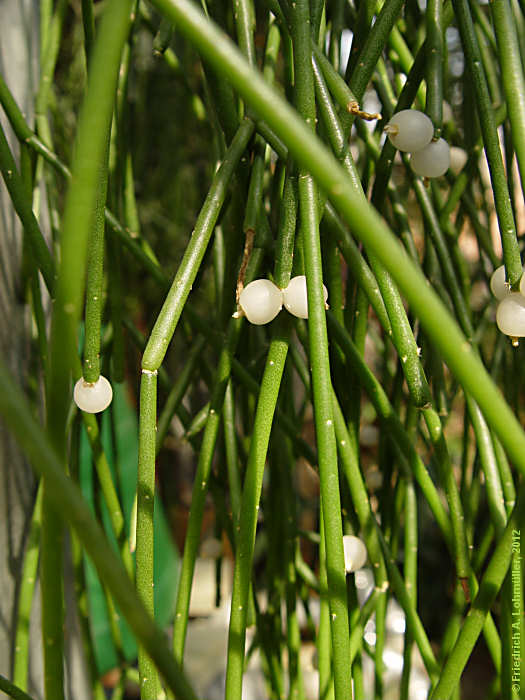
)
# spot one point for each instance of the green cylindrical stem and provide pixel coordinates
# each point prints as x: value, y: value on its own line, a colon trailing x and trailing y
x: 457, y: 517
x: 434, y: 62
x: 244, y: 13
x: 25, y: 600
x: 145, y: 507
x: 512, y: 76
x: 94, y: 280
x: 249, y: 510
x: 489, y: 465
x: 109, y: 492
x: 52, y: 592
x: 374, y: 46
x: 167, y: 320
x: 13, y: 690
x: 200, y: 489
x: 88, y: 23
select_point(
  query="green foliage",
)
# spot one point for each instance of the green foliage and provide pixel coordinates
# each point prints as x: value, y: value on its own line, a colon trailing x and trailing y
x: 213, y: 147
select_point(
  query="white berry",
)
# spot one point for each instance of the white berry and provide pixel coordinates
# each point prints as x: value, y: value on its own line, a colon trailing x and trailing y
x: 295, y: 296
x: 261, y: 301
x: 355, y: 553
x: 510, y: 315
x: 93, y: 398
x: 433, y: 160
x: 410, y: 130
x: 498, y: 285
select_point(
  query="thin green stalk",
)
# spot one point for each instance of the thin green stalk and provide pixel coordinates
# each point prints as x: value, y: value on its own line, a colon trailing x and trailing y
x: 232, y: 459
x: 25, y: 599
x: 410, y: 571
x: 251, y: 493
x: 498, y: 178
x: 512, y: 76
x: 47, y: 70
x: 13, y: 690
x: 46, y: 13
x: 79, y: 573
x: 457, y: 518
x: 109, y: 491
x: 116, y: 306
x: 373, y: 47
x: 66, y: 499
x: 149, y: 683
x: 200, y: 488
x: 178, y: 390
x: 505, y: 474
x: 52, y: 596
x: 94, y: 280
x: 319, y: 359
x: 489, y: 465
x: 324, y: 638
x: 169, y: 315
x: 293, y: 632
x: 88, y: 24
x: 244, y: 13
x: 434, y: 62
x: 445, y: 260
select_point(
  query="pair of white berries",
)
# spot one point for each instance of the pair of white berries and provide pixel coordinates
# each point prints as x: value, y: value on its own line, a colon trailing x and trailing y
x: 510, y: 314
x: 93, y: 397
x: 412, y: 131
x: 261, y: 300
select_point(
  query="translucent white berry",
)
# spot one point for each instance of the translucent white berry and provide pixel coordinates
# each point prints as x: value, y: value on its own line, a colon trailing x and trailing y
x: 458, y: 159
x: 93, y: 398
x: 261, y: 301
x: 498, y: 286
x: 433, y: 160
x: 355, y: 553
x: 510, y: 315
x: 410, y: 130
x: 295, y: 297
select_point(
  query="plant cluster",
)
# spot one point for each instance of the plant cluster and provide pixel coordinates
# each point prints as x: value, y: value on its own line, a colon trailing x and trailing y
x: 230, y: 159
